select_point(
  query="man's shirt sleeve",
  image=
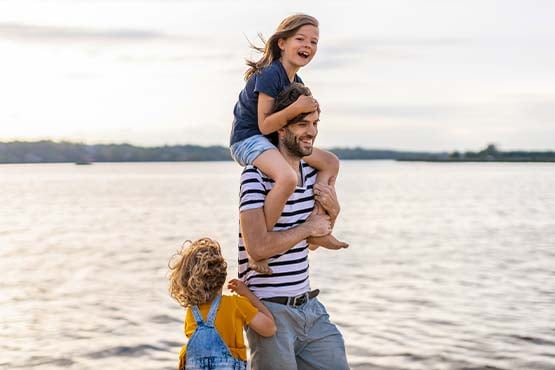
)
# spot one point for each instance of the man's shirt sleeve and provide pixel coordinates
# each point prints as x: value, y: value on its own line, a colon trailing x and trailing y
x: 252, y: 191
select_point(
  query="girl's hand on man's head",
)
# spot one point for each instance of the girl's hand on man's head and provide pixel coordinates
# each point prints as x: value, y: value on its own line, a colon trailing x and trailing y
x: 306, y: 104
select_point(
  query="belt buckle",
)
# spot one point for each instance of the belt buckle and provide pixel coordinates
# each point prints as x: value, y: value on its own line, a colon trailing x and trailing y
x: 299, y: 300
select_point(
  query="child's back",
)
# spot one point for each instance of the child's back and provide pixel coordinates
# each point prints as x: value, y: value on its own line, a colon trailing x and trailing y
x: 233, y: 314
x: 214, y: 323
x: 215, y: 334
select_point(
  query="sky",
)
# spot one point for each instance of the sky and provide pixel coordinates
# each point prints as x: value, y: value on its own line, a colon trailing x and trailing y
x: 432, y: 75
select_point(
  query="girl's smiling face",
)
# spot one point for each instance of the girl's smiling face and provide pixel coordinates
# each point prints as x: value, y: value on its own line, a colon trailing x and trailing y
x: 299, y: 49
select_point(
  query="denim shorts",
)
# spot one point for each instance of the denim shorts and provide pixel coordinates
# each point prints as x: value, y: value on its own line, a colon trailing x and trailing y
x: 306, y: 339
x: 247, y: 150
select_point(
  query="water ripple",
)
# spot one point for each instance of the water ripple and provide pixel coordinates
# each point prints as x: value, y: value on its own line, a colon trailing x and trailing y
x: 448, y: 266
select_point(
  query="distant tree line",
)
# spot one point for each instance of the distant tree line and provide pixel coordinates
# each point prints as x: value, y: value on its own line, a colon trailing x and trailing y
x: 491, y: 153
x: 360, y: 153
x: 52, y: 152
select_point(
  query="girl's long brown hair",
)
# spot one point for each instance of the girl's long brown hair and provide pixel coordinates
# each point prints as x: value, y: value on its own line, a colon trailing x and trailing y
x: 197, y: 272
x: 271, y: 51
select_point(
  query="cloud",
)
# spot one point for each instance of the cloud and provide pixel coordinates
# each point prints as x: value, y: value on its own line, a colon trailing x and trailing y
x: 400, y: 110
x: 357, y: 43
x: 339, y: 52
x: 170, y: 48
x: 537, y: 111
x: 39, y: 33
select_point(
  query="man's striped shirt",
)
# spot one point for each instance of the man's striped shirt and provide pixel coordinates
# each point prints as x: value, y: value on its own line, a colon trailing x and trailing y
x: 290, y: 269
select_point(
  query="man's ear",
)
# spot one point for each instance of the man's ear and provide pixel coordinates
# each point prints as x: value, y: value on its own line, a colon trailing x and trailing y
x: 281, y: 132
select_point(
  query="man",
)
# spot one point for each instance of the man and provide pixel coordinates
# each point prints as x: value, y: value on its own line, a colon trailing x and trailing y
x: 305, y: 338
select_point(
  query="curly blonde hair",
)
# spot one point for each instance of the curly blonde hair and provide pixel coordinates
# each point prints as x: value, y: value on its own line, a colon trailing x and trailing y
x: 197, y: 272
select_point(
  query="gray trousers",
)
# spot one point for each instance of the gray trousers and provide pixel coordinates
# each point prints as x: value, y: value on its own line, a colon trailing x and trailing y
x: 305, y: 339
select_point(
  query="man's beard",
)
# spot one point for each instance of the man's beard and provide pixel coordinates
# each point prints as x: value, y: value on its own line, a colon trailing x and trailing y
x: 291, y: 143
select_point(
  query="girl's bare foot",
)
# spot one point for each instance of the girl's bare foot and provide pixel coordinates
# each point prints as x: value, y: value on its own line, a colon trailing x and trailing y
x: 328, y: 241
x: 261, y: 267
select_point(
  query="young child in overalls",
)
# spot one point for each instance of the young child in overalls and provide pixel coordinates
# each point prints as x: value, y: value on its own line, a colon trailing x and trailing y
x: 198, y: 273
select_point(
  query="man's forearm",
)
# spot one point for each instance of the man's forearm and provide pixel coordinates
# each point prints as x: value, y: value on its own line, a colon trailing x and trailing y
x: 262, y: 244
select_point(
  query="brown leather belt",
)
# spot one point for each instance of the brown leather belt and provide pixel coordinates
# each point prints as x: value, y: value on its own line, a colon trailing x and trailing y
x: 294, y: 301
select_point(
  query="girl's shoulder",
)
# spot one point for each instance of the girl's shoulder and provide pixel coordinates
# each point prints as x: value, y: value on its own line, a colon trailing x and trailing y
x: 278, y: 72
x: 273, y: 68
x: 239, y: 307
x: 233, y: 298
x: 237, y: 301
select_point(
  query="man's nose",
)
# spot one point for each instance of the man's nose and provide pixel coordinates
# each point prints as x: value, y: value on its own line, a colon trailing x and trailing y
x: 312, y: 130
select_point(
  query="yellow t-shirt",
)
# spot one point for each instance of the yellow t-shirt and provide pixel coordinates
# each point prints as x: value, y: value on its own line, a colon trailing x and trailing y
x: 234, y: 313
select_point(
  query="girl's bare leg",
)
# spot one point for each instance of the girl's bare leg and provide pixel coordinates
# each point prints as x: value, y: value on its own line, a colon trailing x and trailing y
x: 272, y: 164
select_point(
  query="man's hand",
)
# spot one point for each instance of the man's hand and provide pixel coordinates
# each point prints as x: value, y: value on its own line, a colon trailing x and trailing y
x: 326, y: 196
x: 318, y: 224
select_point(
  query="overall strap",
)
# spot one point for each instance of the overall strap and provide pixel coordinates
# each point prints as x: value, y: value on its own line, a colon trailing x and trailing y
x: 197, y: 315
x: 213, y: 310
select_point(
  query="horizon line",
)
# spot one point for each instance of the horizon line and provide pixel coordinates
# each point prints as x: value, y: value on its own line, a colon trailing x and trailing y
x: 62, y: 141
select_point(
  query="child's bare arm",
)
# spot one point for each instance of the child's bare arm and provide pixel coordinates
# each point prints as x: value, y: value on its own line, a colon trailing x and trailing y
x: 268, y: 123
x: 239, y: 287
x: 325, y: 162
x: 263, y: 322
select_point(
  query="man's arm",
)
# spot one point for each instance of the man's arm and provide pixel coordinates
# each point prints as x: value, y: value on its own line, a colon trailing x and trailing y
x: 327, y: 197
x: 262, y: 244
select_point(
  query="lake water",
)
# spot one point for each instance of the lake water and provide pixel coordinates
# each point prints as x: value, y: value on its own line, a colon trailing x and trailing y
x: 451, y: 266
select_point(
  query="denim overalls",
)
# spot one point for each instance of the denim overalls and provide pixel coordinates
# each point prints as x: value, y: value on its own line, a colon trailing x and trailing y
x: 206, y: 350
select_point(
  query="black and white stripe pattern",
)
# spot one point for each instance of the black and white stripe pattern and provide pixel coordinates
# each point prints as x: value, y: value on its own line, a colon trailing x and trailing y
x: 290, y: 269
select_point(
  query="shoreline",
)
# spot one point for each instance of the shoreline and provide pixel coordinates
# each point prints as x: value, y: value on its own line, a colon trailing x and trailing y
x: 523, y: 160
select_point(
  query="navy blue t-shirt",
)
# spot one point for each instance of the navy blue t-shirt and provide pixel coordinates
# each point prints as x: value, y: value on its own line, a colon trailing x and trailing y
x: 271, y: 80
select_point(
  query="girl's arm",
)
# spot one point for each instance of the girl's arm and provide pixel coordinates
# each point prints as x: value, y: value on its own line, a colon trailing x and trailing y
x: 268, y: 123
x: 263, y: 322
x: 325, y: 162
